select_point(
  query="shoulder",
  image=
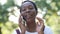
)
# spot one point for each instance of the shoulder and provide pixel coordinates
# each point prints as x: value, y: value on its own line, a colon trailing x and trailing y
x: 48, y: 30
x: 16, y: 30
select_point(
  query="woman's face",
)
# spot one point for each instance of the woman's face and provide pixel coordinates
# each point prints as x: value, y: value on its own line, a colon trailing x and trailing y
x: 28, y: 11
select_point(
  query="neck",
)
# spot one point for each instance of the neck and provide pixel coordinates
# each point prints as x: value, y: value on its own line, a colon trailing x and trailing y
x: 31, y: 25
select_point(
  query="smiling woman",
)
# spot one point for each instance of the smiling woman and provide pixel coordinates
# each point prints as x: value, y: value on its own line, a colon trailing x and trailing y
x: 28, y: 11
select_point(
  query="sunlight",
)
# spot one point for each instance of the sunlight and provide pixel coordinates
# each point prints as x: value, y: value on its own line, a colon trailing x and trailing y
x: 48, y: 1
x: 13, y: 19
x: 18, y: 2
x: 58, y: 12
x: 3, y: 2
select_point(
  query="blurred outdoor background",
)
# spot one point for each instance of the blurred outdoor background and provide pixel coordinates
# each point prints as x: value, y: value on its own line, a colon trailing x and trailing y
x: 49, y: 10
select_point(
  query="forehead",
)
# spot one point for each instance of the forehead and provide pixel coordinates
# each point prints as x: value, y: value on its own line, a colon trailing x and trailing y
x: 26, y: 4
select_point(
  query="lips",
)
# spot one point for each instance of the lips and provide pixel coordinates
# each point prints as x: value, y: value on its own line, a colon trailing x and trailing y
x: 28, y: 17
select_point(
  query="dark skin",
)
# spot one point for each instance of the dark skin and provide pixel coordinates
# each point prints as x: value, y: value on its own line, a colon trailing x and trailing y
x: 29, y: 13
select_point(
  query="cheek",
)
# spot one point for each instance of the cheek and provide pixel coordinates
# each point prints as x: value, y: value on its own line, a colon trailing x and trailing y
x: 22, y: 13
x: 33, y: 13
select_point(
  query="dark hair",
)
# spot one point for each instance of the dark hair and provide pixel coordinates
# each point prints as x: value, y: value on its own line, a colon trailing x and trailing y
x: 32, y: 3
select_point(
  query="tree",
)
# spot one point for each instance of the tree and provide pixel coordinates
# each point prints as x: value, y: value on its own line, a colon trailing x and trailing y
x: 4, y: 15
x: 51, y: 16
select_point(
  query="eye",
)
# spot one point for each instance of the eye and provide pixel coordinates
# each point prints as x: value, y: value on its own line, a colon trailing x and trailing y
x: 30, y: 7
x: 23, y: 9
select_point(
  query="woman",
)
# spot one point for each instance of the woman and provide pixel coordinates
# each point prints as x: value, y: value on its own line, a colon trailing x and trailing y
x: 28, y: 12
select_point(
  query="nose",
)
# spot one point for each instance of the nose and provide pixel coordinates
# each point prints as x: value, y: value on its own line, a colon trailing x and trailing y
x: 27, y: 11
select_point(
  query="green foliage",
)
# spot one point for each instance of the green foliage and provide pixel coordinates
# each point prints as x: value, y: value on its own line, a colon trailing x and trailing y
x: 4, y: 18
x: 51, y: 16
x: 3, y: 11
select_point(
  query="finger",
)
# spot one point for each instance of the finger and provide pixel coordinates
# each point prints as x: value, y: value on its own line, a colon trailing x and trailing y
x: 41, y: 23
x: 38, y: 24
x: 39, y: 19
x: 20, y: 19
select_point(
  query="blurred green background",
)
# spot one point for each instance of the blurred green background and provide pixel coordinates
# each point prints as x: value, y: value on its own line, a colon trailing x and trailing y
x: 9, y: 13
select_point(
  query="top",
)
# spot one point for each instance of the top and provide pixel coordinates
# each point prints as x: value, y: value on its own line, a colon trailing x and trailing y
x: 47, y: 30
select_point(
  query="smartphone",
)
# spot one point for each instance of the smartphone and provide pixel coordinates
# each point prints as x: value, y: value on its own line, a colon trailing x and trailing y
x: 24, y: 21
x: 24, y: 18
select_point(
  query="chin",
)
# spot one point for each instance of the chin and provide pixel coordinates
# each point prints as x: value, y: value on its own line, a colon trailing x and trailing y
x: 28, y: 20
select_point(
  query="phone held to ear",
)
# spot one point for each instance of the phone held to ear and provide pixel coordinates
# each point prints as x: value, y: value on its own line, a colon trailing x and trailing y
x: 23, y: 20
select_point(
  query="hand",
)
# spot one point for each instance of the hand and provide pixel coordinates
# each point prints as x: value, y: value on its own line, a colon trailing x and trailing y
x: 22, y: 27
x: 40, y: 26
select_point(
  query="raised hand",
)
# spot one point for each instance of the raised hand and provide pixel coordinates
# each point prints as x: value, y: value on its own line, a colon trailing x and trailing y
x: 22, y: 27
x: 40, y: 26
